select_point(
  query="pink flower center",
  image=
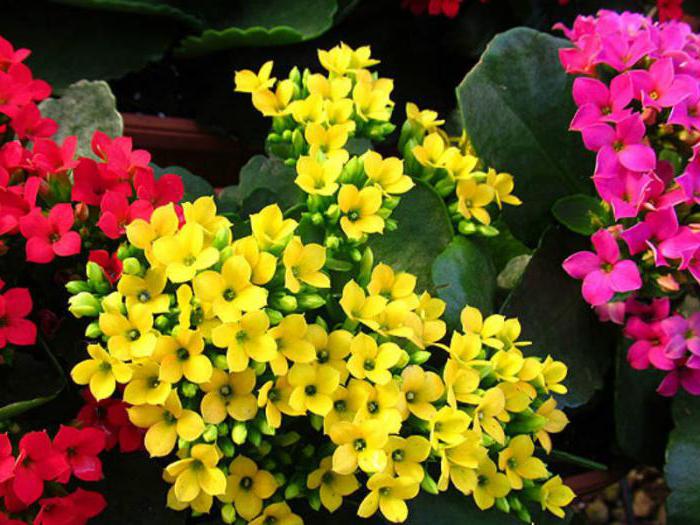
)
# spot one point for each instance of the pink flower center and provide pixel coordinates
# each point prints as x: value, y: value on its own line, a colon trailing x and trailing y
x: 618, y: 145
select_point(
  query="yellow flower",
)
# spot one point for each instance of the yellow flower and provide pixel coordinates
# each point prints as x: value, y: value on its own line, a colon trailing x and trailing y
x: 359, y: 208
x: 181, y: 354
x: 518, y: 395
x: 278, y: 514
x: 230, y: 394
x: 405, y: 456
x: 246, y: 339
x: 372, y: 361
x: 378, y: 403
x: 394, y: 286
x: 318, y: 177
x: 307, y: 110
x: 360, y: 58
x: 197, y: 473
x: 448, y: 427
x: 274, y: 396
x: 458, y: 166
x: 184, y: 303
x: 346, y: 404
x: 328, y: 141
x: 145, y: 386
x: 491, y: 407
x: 247, y: 487
x: 203, y: 212
x: 473, y: 323
x: 461, y: 380
x: 165, y: 424
x: 142, y: 233
x: 336, y: 60
x: 304, y: 263
x: 388, y: 494
x: 506, y: 364
x: 184, y: 253
x: 331, y: 349
x: 490, y: 484
x: 230, y: 292
x: 431, y: 328
x: 502, y: 184
x: 146, y: 291
x: 372, y: 101
x: 290, y: 336
x: 420, y: 389
x: 312, y: 387
x: 329, y: 88
x: 202, y: 503
x: 554, y: 495
x: 386, y: 173
x: 249, y: 82
x: 332, y: 486
x: 360, y: 307
x: 427, y: 119
x: 394, y: 321
x: 556, y: 422
x: 517, y: 462
x: 458, y: 463
x: 466, y: 349
x: 270, y: 229
x: 359, y: 444
x: 129, y: 337
x: 553, y: 373
x: 102, y: 372
x: 473, y: 198
x: 431, y: 152
x: 274, y: 104
x: 339, y: 112
x: 263, y: 264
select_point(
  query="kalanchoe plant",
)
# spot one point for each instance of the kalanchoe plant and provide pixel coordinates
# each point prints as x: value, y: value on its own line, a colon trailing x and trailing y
x: 638, y: 91
x: 279, y: 363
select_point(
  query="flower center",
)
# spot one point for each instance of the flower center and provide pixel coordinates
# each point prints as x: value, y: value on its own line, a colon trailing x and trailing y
x: 653, y: 95
x: 154, y: 382
x: 398, y: 455
x: 270, y: 520
x: 384, y: 492
x: 246, y: 483
x: 225, y: 391
x: 353, y: 216
x: 327, y: 478
x: 133, y: 335
x: 242, y: 336
x: 618, y: 145
x: 144, y: 296
x: 340, y: 405
x: 372, y: 407
x: 482, y: 480
x: 310, y: 390
x: 189, y: 260
x: 322, y: 356
x: 229, y: 294
x: 360, y: 444
x: 410, y: 397
x: 369, y: 365
x: 182, y: 354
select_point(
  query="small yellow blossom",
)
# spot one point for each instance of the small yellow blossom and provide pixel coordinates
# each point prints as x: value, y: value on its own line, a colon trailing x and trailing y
x: 358, y: 306
x: 388, y: 494
x: 303, y: 263
x: 517, y: 461
x: 130, y: 336
x: 406, y: 455
x: 312, y: 387
x: 145, y: 386
x: 182, y: 355
x: 247, y: 486
x: 102, y: 372
x: 318, y: 177
x: 372, y: 361
x: 503, y: 185
x: 184, y: 253
x: 246, y: 339
x: 270, y: 229
x: 230, y: 394
x: 146, y: 291
x: 333, y: 487
x: 554, y: 495
x: 197, y: 473
x: 274, y: 103
x: 292, y: 344
x: 329, y: 142
x: 249, y: 82
x: 427, y: 119
x: 448, y: 427
x: 278, y: 514
x: 473, y: 198
x: 490, y: 484
x: 387, y: 173
x: 359, y: 210
x: 359, y: 444
x: 420, y: 389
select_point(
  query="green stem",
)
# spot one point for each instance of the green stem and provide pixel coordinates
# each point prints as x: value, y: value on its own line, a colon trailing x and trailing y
x: 573, y: 459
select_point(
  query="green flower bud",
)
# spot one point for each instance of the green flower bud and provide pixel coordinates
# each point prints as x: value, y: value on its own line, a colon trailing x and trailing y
x: 355, y: 255
x: 220, y: 362
x: 333, y: 213
x: 132, y: 266
x: 123, y: 251
x: 317, y: 219
x: 310, y: 301
x: 239, y: 434
x: 75, y: 287
x: 280, y: 478
x: 275, y: 316
x: 487, y: 230
x: 254, y: 437
x: 420, y: 357
x: 524, y: 423
x: 502, y: 505
x: 308, y: 450
x: 227, y: 447
x: 222, y: 429
x: 265, y: 427
x: 445, y: 187
x: 162, y: 323
x: 523, y: 515
x: 93, y: 330
x: 265, y: 448
x: 428, y: 484
x: 222, y: 238
x: 288, y: 439
x: 391, y: 202
x: 225, y: 253
x: 466, y: 228
x: 189, y: 390
x: 315, y: 500
x: 514, y: 502
x: 295, y: 75
x: 95, y: 273
x: 84, y: 304
x: 285, y: 303
x: 292, y: 491
x: 228, y: 514
x: 287, y: 135
x: 390, y: 225
x: 210, y: 433
x: 332, y: 242
x: 259, y: 368
x: 298, y: 142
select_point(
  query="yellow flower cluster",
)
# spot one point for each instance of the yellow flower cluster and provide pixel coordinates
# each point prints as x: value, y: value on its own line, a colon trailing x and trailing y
x: 452, y: 167
x: 263, y: 400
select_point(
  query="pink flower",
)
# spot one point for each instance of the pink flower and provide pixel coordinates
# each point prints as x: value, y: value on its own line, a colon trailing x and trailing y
x: 603, y: 272
x: 117, y: 213
x: 50, y: 236
x: 16, y: 202
x: 690, y: 180
x: 681, y: 247
x: 582, y: 58
x: 626, y: 191
x: 683, y: 336
x: 660, y: 87
x: 30, y: 125
x: 93, y: 180
x: 15, y: 306
x: 688, y: 378
x: 37, y: 462
x: 625, y: 143
x: 9, y: 56
x: 81, y: 448
x: 657, y: 226
x: 649, y: 345
x: 598, y: 104
x: 686, y: 113
x: 74, y: 509
x: 621, y: 53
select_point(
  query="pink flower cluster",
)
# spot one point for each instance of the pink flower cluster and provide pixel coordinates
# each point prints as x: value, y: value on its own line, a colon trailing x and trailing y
x: 31, y: 477
x: 638, y: 96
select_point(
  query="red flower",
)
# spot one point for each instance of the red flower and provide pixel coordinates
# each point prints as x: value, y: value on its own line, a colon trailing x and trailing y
x: 16, y: 202
x: 7, y: 460
x: 52, y: 158
x: 669, y: 9
x: 111, y: 265
x: 15, y: 305
x: 111, y: 416
x: 117, y: 213
x: 29, y: 124
x: 92, y: 180
x: 81, y: 448
x: 50, y: 236
x: 168, y: 188
x: 9, y: 56
x: 120, y: 156
x: 74, y: 509
x: 37, y: 462
x: 449, y: 8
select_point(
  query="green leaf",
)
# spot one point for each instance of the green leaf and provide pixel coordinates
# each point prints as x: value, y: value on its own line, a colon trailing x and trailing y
x: 144, y: 7
x: 195, y: 186
x: 683, y: 462
x: 84, y: 107
x: 642, y: 417
x: 464, y: 275
x: 263, y: 181
x: 424, y: 231
x: 516, y: 106
x: 69, y: 43
x: 503, y: 247
x: 268, y: 23
x: 580, y: 213
x: 557, y: 320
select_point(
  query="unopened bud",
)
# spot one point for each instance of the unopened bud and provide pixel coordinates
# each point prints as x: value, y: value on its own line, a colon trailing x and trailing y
x: 239, y: 434
x: 84, y: 304
x: 310, y: 301
x: 132, y: 266
x: 93, y: 330
x: 75, y: 287
x: 228, y: 514
x: 210, y: 433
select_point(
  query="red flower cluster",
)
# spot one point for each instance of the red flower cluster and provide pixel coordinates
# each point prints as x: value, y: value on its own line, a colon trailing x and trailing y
x: 110, y: 416
x: 448, y: 8
x: 15, y: 306
x: 669, y: 9
x: 30, y: 478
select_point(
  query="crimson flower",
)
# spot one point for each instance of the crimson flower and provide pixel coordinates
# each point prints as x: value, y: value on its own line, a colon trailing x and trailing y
x: 15, y: 306
x: 50, y: 236
x: 16, y: 202
x: 111, y: 264
x: 74, y: 509
x: 7, y: 460
x: 117, y: 213
x: 37, y: 461
x: 9, y: 55
x: 92, y: 180
x: 81, y: 448
x: 110, y: 415
x: 29, y: 124
x: 168, y: 188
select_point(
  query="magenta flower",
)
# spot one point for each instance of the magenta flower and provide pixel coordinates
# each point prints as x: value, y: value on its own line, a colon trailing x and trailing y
x: 649, y: 345
x: 598, y: 104
x: 624, y: 142
x: 626, y: 192
x: 690, y: 181
x: 621, y: 54
x: 683, y: 336
x: 656, y: 227
x: 603, y: 272
x: 686, y: 113
x: 682, y: 376
x: 682, y: 246
x: 660, y: 87
x: 583, y: 57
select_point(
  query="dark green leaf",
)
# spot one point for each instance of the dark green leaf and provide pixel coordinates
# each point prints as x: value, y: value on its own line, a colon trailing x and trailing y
x: 516, y: 106
x: 641, y: 415
x: 268, y: 23
x: 580, y: 213
x: 195, y: 186
x: 69, y: 43
x: 557, y: 320
x: 503, y: 247
x: 464, y: 275
x: 683, y: 462
x: 144, y: 7
x: 424, y: 231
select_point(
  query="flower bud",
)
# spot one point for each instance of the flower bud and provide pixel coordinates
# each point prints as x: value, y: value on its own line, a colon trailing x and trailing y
x: 220, y: 362
x: 228, y: 513
x: 84, y: 304
x: 428, y: 484
x: 132, y: 266
x: 487, y: 230
x: 420, y: 357
x: 95, y: 273
x: 222, y: 238
x: 275, y: 316
x: 466, y: 228
x: 239, y: 434
x: 285, y: 303
x: 93, y: 330
x: 445, y: 187
x: 502, y: 505
x: 227, y: 447
x: 333, y: 213
x: 292, y: 491
x: 210, y: 433
x: 82, y: 212
x: 265, y: 448
x: 265, y: 427
x: 310, y: 301
x: 390, y: 225
x: 259, y: 368
x: 75, y: 287
x: 189, y: 390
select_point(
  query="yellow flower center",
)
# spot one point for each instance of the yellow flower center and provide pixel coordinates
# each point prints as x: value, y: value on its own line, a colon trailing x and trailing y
x: 360, y: 444
x: 340, y: 405
x: 322, y: 356
x: 246, y: 483
x: 369, y: 365
x: 482, y: 480
x: 385, y: 492
x: 189, y: 260
x: 105, y: 366
x: 133, y: 335
x: 310, y: 390
x: 327, y: 478
x: 372, y: 407
x: 353, y: 216
x: 410, y: 397
x: 182, y: 354
x: 398, y: 455
x: 225, y: 391
x: 144, y: 296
